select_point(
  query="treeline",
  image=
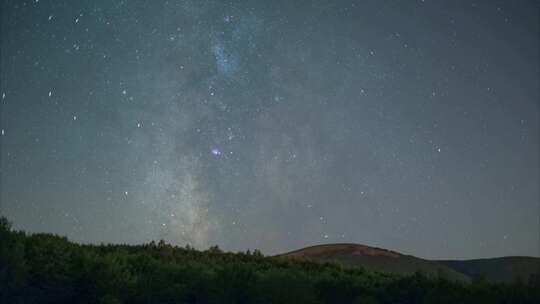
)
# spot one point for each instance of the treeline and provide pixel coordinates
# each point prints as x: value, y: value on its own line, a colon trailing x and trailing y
x: 44, y: 268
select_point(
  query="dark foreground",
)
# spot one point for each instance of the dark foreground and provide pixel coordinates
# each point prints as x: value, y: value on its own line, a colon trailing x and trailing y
x: 44, y: 268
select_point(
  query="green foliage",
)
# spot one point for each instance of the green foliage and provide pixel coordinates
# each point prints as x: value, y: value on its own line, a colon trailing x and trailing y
x: 45, y: 268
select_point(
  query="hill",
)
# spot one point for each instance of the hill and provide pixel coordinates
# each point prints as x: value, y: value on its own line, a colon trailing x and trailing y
x: 375, y: 259
x: 504, y: 269
x: 498, y: 270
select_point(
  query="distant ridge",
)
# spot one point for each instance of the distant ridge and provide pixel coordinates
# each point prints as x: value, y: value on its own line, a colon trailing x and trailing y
x: 374, y: 259
x: 354, y: 249
x: 504, y: 269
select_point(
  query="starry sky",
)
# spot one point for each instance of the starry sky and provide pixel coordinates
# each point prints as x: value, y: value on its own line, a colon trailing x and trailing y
x: 409, y: 125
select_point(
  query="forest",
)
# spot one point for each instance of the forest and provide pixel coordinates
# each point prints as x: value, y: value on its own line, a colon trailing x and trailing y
x: 46, y: 268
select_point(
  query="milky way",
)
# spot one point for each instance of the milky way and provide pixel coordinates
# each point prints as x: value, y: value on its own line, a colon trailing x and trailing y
x: 409, y: 125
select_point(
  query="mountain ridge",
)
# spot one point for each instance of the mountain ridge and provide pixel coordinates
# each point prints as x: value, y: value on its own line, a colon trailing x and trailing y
x: 499, y: 269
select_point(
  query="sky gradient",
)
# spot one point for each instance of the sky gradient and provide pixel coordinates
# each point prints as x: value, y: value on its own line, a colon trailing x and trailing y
x: 408, y: 125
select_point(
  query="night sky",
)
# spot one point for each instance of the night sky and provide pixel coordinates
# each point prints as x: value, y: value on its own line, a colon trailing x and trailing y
x: 409, y: 125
